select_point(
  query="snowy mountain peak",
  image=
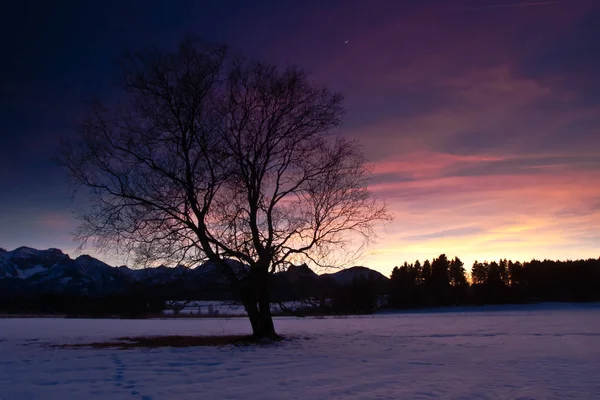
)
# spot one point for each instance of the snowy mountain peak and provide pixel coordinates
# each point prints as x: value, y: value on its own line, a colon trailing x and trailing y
x: 28, y: 252
x: 24, y: 252
x: 25, y: 262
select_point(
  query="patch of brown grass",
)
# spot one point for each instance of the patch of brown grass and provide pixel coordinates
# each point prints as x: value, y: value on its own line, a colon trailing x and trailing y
x: 153, y: 342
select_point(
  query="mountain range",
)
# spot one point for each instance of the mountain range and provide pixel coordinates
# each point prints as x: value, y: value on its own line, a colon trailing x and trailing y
x: 31, y: 271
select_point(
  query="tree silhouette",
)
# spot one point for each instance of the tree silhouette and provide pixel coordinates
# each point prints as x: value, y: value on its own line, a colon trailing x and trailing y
x: 216, y: 158
x: 458, y: 281
x: 426, y: 272
x: 479, y: 273
x: 403, y: 286
x: 426, y: 290
x: 417, y: 272
x: 440, y: 280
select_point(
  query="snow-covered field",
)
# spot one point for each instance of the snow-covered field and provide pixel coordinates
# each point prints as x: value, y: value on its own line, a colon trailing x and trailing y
x: 525, y: 352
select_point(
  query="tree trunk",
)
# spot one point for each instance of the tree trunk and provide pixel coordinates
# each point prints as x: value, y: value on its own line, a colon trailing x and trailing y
x: 261, y: 320
x: 266, y: 319
x: 258, y: 306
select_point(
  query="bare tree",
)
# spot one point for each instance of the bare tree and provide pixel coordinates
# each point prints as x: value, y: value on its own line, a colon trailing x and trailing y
x: 228, y: 160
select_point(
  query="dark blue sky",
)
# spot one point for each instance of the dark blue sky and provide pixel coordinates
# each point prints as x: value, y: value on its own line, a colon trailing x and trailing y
x: 481, y: 117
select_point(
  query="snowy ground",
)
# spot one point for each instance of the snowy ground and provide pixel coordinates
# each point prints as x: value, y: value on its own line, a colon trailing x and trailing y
x: 526, y: 352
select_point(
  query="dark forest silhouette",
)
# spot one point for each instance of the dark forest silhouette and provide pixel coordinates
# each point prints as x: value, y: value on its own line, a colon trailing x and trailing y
x: 444, y: 282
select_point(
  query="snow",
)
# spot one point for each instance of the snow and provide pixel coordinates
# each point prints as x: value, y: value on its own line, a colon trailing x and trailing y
x: 525, y: 352
x: 29, y: 272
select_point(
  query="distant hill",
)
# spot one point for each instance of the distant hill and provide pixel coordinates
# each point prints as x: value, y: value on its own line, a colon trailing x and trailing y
x: 26, y: 271
x: 346, y: 276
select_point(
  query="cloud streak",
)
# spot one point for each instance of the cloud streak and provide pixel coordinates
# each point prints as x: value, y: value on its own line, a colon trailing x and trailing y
x: 457, y: 232
x: 514, y: 5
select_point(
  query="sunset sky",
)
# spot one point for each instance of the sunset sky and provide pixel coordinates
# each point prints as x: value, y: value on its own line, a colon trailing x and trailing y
x: 481, y: 119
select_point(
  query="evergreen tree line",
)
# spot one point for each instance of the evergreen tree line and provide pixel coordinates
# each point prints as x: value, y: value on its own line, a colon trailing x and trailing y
x: 445, y: 282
